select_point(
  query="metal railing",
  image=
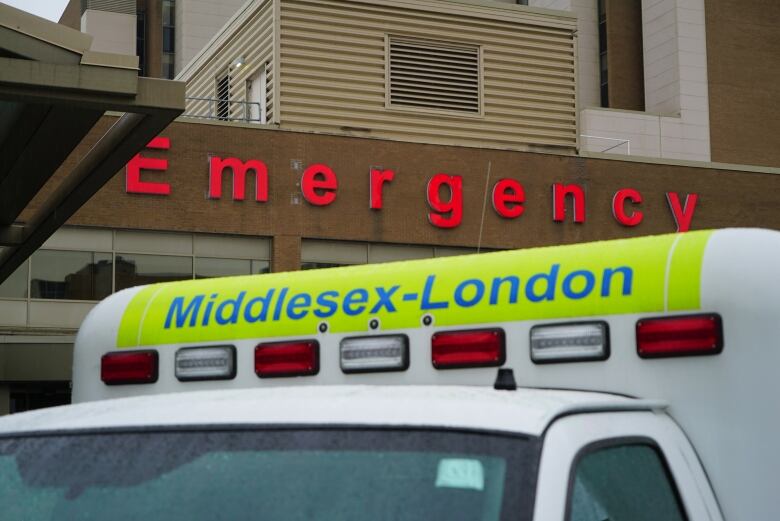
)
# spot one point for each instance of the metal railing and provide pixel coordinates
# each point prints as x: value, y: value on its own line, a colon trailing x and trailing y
x: 619, y: 141
x: 223, y: 109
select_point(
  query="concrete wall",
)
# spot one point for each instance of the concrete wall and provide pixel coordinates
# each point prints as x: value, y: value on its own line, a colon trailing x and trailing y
x: 675, y: 85
x: 111, y: 32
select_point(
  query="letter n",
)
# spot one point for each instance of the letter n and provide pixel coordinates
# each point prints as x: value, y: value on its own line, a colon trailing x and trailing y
x: 560, y: 191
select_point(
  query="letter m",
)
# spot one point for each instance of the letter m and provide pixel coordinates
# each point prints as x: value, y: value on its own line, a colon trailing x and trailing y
x: 179, y: 313
x: 217, y: 166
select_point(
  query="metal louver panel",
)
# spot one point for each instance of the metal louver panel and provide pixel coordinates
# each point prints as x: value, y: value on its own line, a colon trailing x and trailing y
x: 433, y: 75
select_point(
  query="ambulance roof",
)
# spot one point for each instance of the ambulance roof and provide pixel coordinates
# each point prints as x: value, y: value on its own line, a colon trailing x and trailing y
x: 526, y: 411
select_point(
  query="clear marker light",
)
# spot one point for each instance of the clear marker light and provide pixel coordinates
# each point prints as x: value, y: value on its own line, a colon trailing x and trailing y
x: 375, y: 353
x: 206, y: 363
x: 569, y: 342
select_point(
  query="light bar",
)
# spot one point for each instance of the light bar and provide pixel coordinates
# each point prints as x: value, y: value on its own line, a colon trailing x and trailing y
x: 133, y: 367
x: 472, y: 348
x: 298, y: 358
x: 575, y: 342
x: 687, y: 335
x: 205, y: 363
x: 371, y: 354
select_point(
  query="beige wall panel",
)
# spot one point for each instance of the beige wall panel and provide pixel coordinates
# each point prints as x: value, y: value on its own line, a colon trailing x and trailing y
x: 13, y: 312
x: 232, y: 247
x: 394, y: 252
x: 128, y: 241
x: 80, y: 239
x: 68, y: 315
x: 250, y: 37
x: 334, y: 252
x: 332, y: 72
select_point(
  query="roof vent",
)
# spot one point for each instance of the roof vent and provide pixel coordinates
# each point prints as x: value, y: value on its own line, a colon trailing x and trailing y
x: 426, y: 74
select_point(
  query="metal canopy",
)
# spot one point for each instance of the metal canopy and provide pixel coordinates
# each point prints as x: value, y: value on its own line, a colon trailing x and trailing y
x: 53, y: 90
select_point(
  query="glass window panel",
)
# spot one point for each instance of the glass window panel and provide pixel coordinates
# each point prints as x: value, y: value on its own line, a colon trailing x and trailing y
x: 168, y: 39
x: 15, y: 286
x: 207, y: 267
x: 167, y: 65
x: 169, y: 12
x: 260, y: 266
x: 627, y: 482
x: 71, y: 275
x: 135, y: 269
x: 104, y: 274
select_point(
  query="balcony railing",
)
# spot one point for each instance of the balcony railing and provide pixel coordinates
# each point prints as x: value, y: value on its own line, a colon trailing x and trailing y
x: 224, y: 110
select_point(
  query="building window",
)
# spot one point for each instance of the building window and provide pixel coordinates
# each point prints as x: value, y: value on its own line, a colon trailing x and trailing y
x: 319, y: 265
x: 522, y: 2
x: 206, y: 268
x: 169, y: 38
x: 602, y: 12
x: 137, y: 269
x: 15, y: 286
x: 70, y: 275
x: 223, y: 96
x: 433, y: 75
x: 140, y: 41
x: 260, y: 266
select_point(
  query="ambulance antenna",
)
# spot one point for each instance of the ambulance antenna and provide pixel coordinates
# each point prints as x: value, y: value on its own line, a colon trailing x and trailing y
x: 484, y: 205
x: 505, y: 380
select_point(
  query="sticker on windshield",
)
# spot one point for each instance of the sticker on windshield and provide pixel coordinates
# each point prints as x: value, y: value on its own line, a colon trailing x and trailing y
x: 460, y: 473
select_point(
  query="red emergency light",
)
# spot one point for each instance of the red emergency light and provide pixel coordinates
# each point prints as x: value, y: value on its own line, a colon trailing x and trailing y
x: 472, y: 348
x: 687, y: 335
x: 298, y: 358
x: 134, y: 367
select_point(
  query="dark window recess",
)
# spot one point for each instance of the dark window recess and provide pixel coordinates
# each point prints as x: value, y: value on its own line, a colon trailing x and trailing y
x: 602, y: 12
x: 319, y: 265
x: 223, y: 97
x: 522, y: 2
x: 624, y: 482
x: 37, y: 395
x: 169, y: 38
x: 140, y: 41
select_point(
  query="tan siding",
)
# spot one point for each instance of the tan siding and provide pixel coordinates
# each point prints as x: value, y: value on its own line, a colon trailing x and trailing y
x: 252, y: 39
x: 333, y: 71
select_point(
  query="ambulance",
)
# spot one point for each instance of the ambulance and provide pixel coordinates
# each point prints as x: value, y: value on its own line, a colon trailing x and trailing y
x: 628, y: 380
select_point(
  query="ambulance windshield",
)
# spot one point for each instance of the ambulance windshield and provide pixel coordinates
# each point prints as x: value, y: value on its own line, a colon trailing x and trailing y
x: 271, y: 474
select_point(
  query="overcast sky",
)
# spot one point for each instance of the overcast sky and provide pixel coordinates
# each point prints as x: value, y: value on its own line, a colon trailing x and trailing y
x: 51, y: 9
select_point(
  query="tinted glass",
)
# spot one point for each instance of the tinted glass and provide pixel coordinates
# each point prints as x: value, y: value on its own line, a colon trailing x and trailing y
x: 207, y: 267
x: 169, y: 12
x: 135, y: 269
x: 167, y: 66
x: 15, y: 286
x: 74, y: 275
x: 260, y: 266
x: 291, y: 475
x: 626, y: 483
x: 318, y: 265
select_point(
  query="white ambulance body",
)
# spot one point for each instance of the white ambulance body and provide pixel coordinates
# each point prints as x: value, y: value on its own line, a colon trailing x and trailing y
x: 645, y: 374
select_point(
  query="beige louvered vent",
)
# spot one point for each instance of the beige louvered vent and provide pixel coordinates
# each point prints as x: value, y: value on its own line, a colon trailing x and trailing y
x: 433, y: 75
